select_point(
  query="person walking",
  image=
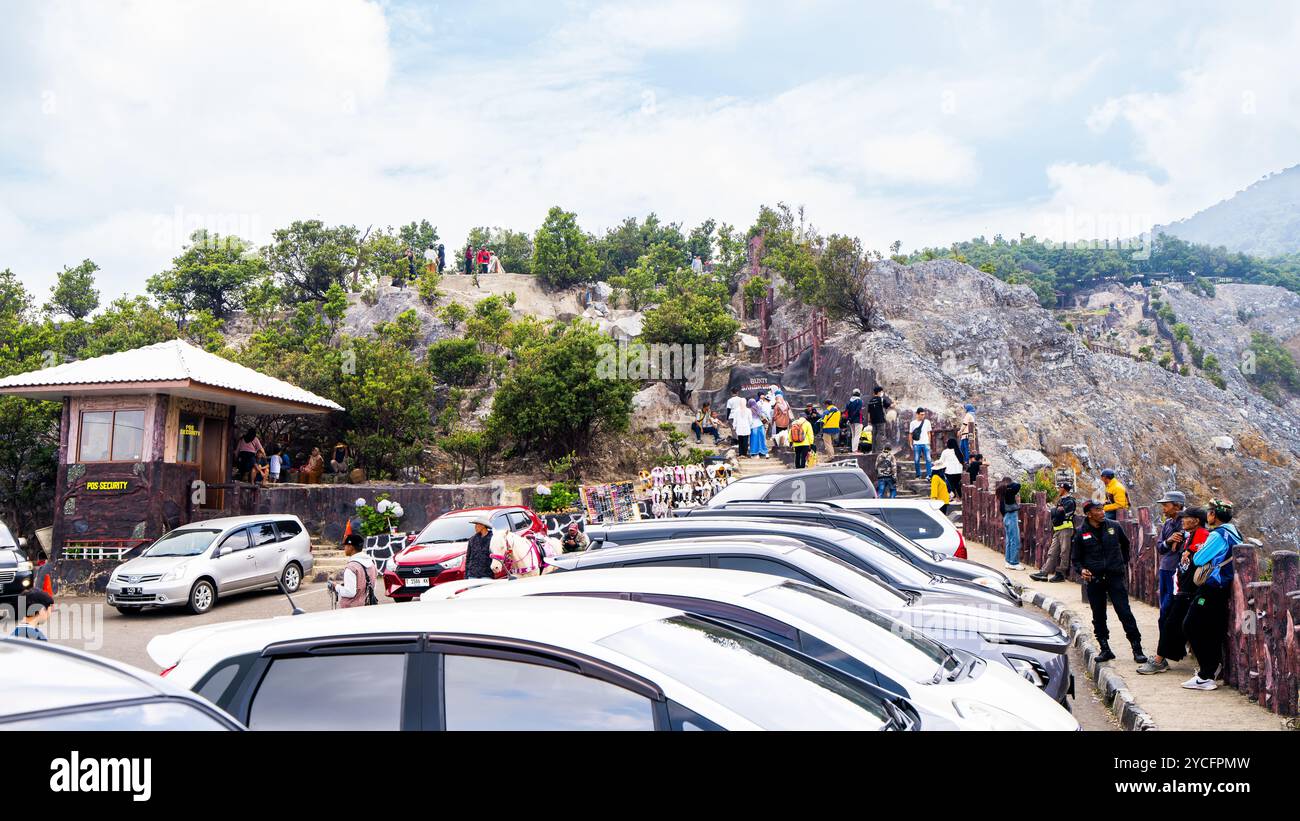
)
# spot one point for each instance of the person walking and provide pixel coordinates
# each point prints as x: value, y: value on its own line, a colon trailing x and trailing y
x: 1116, y: 495
x: 950, y: 463
x: 478, y: 552
x: 706, y: 422
x: 1058, y: 555
x: 782, y: 415
x: 919, y: 431
x: 801, y: 440
x: 741, y: 423
x: 1173, y: 641
x: 357, y: 583
x: 1169, y: 546
x: 877, y: 408
x: 1100, y: 552
x: 37, y: 606
x: 886, y: 474
x: 1206, y: 623
x: 1008, y: 493
x: 830, y: 427
x: 967, y: 432
x: 853, y: 414
x: 246, y: 453
x: 757, y: 431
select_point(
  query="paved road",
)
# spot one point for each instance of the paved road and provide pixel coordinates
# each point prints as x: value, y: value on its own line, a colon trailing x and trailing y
x: 124, y: 638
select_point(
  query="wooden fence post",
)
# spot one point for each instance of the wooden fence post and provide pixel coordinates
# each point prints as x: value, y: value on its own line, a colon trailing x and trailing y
x: 1283, y: 610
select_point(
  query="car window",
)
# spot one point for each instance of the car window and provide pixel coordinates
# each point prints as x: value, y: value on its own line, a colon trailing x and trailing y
x: 482, y: 693
x: 235, y: 541
x: 358, y: 692
x: 158, y: 715
x: 668, y: 561
x: 519, y: 521
x: 288, y: 529
x: 913, y: 523
x: 262, y: 534
x: 850, y: 483
x: 500, y: 521
x: 757, y: 564
x: 738, y: 617
x: 805, y: 488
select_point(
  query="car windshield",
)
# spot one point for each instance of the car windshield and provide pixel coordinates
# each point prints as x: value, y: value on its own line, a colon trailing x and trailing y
x: 182, y: 543
x: 873, y: 552
x: 446, y: 530
x: 852, y: 581
x: 765, y: 684
x: 909, y: 652
x: 909, y: 545
x: 6, y: 538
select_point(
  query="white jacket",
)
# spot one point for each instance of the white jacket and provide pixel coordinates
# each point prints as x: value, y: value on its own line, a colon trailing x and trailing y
x: 351, y: 585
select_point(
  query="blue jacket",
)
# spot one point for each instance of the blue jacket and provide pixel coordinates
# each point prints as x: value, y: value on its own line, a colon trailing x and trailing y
x: 27, y: 631
x: 1215, y: 549
x: 853, y: 410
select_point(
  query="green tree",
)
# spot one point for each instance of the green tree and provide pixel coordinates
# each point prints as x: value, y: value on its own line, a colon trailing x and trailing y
x: 562, y: 253
x: 642, y: 280
x: 840, y: 285
x: 694, y: 312
x: 457, y: 361
x: 74, y: 293
x: 213, y: 273
x: 309, y: 256
x: 467, y: 447
x: 513, y: 248
x: 453, y: 313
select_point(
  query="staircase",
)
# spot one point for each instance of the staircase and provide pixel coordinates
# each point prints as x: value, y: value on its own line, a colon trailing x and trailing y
x: 328, y: 561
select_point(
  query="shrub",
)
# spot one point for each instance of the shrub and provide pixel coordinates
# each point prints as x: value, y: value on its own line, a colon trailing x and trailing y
x: 457, y: 361
x: 563, y: 496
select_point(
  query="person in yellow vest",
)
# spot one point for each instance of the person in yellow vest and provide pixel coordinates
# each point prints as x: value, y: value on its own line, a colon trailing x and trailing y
x: 1116, y: 494
x: 801, y: 440
x: 830, y: 426
x: 939, y: 489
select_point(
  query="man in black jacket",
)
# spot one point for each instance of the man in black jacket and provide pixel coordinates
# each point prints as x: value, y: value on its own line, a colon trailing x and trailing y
x: 1100, y: 553
x: 876, y: 407
x: 478, y: 553
x: 1058, y: 557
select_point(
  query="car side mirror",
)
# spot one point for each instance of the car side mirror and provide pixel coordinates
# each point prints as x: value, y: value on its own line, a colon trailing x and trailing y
x: 22, y: 541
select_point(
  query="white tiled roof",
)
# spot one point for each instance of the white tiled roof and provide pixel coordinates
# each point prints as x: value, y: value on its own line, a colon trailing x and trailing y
x: 170, y: 361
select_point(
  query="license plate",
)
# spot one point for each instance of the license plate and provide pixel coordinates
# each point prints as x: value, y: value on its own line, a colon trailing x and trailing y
x: 132, y: 591
x: 417, y: 582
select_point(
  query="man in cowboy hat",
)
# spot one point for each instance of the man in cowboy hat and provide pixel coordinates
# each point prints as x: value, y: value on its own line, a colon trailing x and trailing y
x: 478, y: 553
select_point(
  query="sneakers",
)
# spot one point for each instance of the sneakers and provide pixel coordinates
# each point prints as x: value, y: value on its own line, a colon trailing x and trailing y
x: 1011, y: 566
x: 1057, y: 577
x: 1152, y: 667
x: 1198, y: 683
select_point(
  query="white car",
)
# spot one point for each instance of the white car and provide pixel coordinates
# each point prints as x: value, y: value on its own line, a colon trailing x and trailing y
x: 958, y: 688
x: 537, y: 663
x: 918, y: 519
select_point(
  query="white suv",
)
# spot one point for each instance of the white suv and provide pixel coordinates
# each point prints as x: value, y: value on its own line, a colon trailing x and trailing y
x: 918, y: 519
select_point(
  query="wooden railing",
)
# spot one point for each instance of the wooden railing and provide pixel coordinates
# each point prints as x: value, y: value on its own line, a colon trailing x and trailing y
x: 1263, y: 643
x: 777, y: 355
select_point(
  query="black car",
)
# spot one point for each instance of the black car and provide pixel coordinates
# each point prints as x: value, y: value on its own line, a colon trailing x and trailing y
x: 15, y: 569
x: 868, y: 527
x: 810, y: 484
x: 847, y: 546
x: 1031, y: 645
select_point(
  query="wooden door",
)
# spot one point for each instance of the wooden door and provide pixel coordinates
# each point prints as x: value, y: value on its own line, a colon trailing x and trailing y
x: 213, y: 465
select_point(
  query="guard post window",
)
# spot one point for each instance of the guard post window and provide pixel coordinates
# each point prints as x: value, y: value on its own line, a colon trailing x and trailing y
x: 190, y: 436
x: 111, y: 436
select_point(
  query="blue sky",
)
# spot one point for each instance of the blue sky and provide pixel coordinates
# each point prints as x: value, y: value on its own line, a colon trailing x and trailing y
x: 127, y: 125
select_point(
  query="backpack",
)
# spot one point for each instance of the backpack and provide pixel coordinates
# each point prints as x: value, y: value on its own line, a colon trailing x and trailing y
x: 797, y: 434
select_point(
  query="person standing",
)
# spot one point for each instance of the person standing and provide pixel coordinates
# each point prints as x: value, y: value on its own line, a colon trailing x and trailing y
x: 801, y: 440
x: 1206, y: 623
x: 1008, y: 493
x: 1100, y: 552
x: 919, y: 431
x: 741, y: 422
x: 830, y: 427
x: 442, y: 257
x: 1169, y: 546
x: 246, y: 454
x: 274, y: 465
x: 973, y: 466
x: 782, y: 415
x: 1173, y: 641
x: 757, y: 430
x: 478, y: 552
x: 697, y: 265
x: 357, y: 585
x: 967, y: 432
x: 1116, y: 494
x: 877, y: 408
x: 939, y: 490
x: 853, y: 415
x: 469, y: 259
x: 37, y: 607
x: 950, y: 463
x: 1058, y: 555
x: 886, y: 474
x: 484, y: 259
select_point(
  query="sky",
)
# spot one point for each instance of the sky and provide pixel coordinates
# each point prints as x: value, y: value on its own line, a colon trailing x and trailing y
x: 126, y: 125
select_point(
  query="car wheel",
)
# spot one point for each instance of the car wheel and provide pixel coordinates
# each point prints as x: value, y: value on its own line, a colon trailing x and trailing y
x: 291, y: 578
x: 202, y: 596
x: 129, y: 611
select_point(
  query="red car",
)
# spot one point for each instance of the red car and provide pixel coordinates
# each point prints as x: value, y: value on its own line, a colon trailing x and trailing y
x: 438, y: 554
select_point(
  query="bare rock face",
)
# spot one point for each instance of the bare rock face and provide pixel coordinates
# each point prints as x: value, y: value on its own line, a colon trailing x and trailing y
x: 656, y: 404
x: 955, y: 335
x: 1030, y: 461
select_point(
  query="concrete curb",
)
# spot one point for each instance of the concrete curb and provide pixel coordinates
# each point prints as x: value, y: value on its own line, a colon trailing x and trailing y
x: 1114, y: 690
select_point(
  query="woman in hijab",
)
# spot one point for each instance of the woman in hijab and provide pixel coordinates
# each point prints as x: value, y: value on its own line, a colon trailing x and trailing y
x: 758, y: 433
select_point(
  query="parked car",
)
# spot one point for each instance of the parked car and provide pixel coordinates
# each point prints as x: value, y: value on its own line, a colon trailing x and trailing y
x: 437, y: 554
x: 810, y: 484
x: 1031, y: 645
x: 193, y: 566
x: 950, y: 688
x: 920, y: 520
x: 48, y: 687
x: 866, y: 525
x: 871, y: 553
x: 15, y: 569
x: 538, y: 663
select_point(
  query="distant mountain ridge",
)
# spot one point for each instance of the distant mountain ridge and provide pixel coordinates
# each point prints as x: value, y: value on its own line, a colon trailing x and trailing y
x: 1263, y: 220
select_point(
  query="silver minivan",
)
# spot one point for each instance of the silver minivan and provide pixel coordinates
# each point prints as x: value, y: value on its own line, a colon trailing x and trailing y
x: 195, y: 564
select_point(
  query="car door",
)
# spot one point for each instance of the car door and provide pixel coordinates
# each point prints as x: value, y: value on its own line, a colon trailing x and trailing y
x: 235, y: 566
x: 812, y: 488
x: 853, y: 485
x: 269, y: 550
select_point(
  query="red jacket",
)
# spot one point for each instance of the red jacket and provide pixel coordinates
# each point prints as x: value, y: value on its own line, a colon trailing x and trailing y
x: 484, y: 257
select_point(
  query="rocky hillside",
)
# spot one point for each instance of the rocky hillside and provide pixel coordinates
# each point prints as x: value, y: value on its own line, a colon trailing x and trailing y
x: 1263, y: 220
x: 956, y: 334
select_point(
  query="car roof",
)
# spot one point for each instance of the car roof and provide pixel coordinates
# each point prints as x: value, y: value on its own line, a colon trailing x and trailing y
x: 778, y: 475
x: 687, y: 522
x: 683, y: 581
x: 460, y: 511
x: 37, y: 676
x: 767, y: 544
x: 235, y: 521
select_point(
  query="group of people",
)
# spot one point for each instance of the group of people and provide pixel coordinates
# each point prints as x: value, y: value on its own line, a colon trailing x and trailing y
x: 481, y: 261
x: 257, y: 464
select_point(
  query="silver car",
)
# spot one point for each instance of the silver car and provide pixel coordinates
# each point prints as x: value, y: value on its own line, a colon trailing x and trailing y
x: 195, y: 564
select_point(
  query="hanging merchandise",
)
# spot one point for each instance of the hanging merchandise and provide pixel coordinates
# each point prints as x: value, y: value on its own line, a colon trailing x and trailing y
x: 610, y: 503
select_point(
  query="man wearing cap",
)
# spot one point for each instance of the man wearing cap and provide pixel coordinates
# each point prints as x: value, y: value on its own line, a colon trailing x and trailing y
x: 1058, y: 556
x: 478, y: 553
x: 1170, y: 546
x: 853, y: 414
x: 574, y: 539
x: 1116, y: 494
x: 1100, y: 552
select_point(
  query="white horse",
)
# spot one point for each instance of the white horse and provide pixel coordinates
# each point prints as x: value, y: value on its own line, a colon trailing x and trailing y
x: 516, y: 556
